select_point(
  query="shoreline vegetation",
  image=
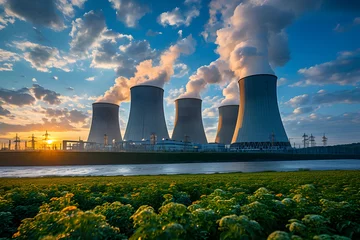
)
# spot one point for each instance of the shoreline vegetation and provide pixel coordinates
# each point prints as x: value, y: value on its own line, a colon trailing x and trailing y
x: 268, y: 205
x: 59, y: 158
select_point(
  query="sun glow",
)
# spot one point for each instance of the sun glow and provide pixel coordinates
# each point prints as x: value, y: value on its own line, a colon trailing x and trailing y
x: 49, y: 141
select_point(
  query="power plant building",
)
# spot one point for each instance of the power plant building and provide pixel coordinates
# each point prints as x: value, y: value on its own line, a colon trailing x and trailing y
x: 228, y: 115
x: 188, y: 121
x: 259, y: 124
x: 146, y: 118
x: 105, y: 123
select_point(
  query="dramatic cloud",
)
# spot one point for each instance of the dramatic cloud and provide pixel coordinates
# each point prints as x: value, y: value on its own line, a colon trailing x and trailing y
x: 351, y: 96
x: 216, y: 72
x: 89, y: 31
x: 6, y: 60
x: 3, y: 111
x: 138, y: 50
x: 129, y: 12
x: 345, y: 70
x: 123, y: 59
x: 45, y: 95
x: 43, y: 58
x: 19, y: 97
x: 46, y: 13
x: 148, y: 74
x: 178, y: 18
x: 74, y: 116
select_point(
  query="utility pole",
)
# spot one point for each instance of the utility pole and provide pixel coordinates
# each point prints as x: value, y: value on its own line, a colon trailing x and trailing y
x: 324, y: 140
x: 17, y: 142
x: 305, y: 140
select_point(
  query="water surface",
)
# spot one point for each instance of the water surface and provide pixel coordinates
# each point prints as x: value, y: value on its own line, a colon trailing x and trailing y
x: 182, y: 168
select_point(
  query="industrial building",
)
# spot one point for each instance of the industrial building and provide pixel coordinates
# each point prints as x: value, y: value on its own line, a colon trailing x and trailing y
x: 259, y: 124
x: 105, y: 128
x: 188, y: 125
x: 228, y: 115
x: 146, y: 117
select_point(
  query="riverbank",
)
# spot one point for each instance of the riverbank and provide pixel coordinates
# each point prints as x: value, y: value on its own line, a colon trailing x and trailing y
x: 60, y: 158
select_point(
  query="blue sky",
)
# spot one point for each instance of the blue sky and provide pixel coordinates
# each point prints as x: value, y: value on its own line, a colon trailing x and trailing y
x: 59, y: 56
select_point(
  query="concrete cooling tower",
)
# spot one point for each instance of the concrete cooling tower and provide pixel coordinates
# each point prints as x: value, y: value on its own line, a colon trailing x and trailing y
x: 146, y: 114
x: 105, y: 120
x: 227, y: 122
x: 188, y: 121
x: 259, y: 123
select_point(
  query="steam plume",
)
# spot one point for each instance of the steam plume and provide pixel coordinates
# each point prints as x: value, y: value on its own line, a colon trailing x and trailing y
x: 147, y: 74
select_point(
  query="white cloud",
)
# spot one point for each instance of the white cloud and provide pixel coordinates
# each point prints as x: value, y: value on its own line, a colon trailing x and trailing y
x: 129, y: 11
x: 177, y: 18
x: 33, y: 80
x: 6, y: 60
x: 345, y: 70
x: 181, y: 69
x: 90, y: 78
x: 281, y: 81
x: 55, y: 78
x: 88, y: 33
x: 173, y: 94
x: 43, y: 58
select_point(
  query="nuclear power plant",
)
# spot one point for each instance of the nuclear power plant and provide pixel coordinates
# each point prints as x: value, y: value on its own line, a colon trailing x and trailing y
x: 259, y: 124
x: 188, y: 121
x: 146, y: 117
x: 228, y: 115
x: 105, y: 127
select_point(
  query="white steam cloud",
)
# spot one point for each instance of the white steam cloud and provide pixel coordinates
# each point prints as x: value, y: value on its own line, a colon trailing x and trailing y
x: 216, y: 72
x: 252, y: 41
x: 148, y: 74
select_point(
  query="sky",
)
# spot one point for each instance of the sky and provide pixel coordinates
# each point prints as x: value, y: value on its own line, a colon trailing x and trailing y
x: 57, y: 57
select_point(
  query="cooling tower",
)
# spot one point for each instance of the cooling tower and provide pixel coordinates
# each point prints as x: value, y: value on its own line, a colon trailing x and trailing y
x: 227, y: 122
x: 259, y: 123
x: 146, y: 114
x: 188, y: 121
x: 105, y: 120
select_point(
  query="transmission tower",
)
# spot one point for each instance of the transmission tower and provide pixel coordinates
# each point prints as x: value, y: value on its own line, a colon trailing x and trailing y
x: 305, y: 140
x: 312, y: 141
x: 33, y: 141
x: 324, y: 140
x: 17, y: 142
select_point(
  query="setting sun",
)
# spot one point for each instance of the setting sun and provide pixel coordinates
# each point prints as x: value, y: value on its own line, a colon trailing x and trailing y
x: 49, y: 141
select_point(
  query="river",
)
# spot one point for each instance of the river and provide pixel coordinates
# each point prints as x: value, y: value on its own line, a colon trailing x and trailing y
x: 183, y: 168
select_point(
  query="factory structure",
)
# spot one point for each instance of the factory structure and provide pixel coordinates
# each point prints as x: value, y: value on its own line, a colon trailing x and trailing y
x: 253, y: 125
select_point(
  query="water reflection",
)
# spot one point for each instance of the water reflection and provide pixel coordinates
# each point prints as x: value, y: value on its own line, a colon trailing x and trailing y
x: 183, y: 168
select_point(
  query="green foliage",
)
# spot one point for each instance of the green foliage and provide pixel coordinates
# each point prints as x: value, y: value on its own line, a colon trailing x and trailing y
x: 69, y: 223
x: 295, y: 205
